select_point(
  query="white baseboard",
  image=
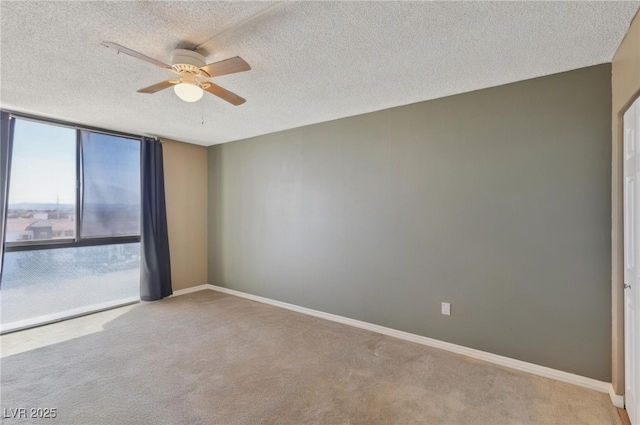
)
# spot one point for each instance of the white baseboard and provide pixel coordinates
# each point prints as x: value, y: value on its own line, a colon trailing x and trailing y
x: 616, y: 399
x: 192, y: 289
x: 534, y: 369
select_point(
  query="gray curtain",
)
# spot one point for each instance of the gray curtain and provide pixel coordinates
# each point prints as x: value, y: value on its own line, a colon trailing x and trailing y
x: 155, y: 266
x: 6, y: 142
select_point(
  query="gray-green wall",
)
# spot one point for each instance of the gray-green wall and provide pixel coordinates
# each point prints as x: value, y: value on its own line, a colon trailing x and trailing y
x: 497, y: 201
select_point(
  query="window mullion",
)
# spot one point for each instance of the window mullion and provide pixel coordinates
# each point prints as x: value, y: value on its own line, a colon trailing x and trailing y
x: 78, y: 184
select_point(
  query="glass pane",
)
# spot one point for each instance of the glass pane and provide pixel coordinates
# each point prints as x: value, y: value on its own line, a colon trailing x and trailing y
x: 111, y: 185
x: 37, y: 285
x: 42, y: 191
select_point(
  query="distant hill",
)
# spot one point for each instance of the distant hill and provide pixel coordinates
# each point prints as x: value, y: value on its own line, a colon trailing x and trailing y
x: 40, y: 206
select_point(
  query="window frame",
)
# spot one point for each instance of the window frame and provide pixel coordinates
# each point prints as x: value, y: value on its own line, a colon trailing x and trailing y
x: 77, y: 240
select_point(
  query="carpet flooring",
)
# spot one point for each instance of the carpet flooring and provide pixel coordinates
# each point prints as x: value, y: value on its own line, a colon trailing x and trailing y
x: 212, y: 358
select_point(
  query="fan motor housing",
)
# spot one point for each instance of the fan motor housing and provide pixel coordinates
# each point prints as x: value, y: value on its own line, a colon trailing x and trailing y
x: 187, y: 57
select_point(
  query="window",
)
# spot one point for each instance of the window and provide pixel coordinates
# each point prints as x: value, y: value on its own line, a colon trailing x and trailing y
x: 42, y: 196
x: 111, y: 189
x: 48, y: 284
x: 73, y: 223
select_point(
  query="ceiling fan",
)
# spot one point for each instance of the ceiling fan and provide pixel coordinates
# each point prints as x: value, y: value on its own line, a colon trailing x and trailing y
x: 193, y: 74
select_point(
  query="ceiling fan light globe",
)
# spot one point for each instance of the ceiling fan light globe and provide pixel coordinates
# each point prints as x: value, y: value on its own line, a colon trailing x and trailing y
x: 188, y: 92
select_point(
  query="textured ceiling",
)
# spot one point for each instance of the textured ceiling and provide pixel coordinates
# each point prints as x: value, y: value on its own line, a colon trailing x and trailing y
x: 312, y: 61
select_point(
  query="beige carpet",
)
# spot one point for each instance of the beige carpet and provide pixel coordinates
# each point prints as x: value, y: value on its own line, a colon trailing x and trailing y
x: 210, y: 358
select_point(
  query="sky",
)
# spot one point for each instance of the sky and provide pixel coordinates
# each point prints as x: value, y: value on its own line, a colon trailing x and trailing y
x: 43, y: 167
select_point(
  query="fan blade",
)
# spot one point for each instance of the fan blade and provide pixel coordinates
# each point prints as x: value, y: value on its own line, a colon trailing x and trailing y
x: 227, y: 66
x: 224, y: 94
x: 135, y: 54
x: 157, y: 87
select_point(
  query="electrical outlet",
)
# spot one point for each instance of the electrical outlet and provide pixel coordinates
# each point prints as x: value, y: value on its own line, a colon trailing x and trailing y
x: 446, y: 309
